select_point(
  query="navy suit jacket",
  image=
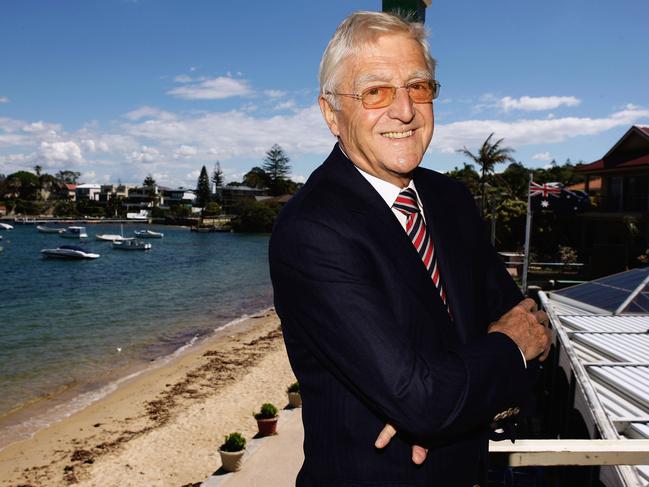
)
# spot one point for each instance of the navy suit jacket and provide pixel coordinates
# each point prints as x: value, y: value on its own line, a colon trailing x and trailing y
x: 370, y: 341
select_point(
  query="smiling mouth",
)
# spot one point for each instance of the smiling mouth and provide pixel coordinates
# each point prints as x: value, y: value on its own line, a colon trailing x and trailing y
x: 398, y: 135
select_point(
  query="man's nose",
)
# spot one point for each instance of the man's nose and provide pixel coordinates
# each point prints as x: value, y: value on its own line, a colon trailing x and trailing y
x: 402, y: 108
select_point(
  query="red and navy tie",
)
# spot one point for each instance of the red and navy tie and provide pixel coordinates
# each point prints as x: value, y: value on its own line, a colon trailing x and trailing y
x: 406, y: 203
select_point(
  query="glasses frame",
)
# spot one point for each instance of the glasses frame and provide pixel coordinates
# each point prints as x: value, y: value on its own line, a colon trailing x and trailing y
x: 435, y: 85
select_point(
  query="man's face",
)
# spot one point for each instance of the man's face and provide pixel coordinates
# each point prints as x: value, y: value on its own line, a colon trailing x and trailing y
x: 387, y: 142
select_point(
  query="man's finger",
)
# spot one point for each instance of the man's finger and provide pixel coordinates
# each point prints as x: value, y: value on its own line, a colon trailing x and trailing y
x: 419, y: 454
x: 542, y: 317
x: 546, y: 352
x: 385, y: 436
x: 528, y: 304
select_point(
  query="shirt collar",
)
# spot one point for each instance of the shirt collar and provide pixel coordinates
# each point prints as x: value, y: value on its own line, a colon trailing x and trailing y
x: 388, y: 191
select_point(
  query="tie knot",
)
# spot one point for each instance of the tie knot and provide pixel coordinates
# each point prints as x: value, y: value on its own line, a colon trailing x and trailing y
x: 406, y: 202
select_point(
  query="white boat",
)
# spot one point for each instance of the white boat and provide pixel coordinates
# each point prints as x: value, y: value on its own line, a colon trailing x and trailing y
x: 132, y: 245
x: 74, y: 232
x: 148, y: 234
x: 68, y: 252
x: 46, y: 229
x: 112, y: 237
x: 5, y: 226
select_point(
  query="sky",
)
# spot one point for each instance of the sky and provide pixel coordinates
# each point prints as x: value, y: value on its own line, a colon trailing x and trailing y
x: 120, y: 89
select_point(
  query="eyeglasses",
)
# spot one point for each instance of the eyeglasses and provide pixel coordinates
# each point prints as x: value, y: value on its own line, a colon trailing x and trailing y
x: 383, y: 96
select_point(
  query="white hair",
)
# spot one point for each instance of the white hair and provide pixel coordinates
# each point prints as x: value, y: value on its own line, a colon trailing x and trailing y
x: 357, y: 30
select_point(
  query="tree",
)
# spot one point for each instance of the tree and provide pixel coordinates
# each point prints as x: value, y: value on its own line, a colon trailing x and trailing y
x: 217, y: 176
x: 277, y: 169
x: 468, y: 176
x: 488, y: 156
x: 254, y: 216
x: 149, y: 182
x: 38, y: 169
x: 203, y: 191
x: 22, y: 185
x: 256, y: 178
x: 70, y: 177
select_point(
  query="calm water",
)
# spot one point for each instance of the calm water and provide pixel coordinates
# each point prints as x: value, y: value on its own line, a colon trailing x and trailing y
x: 62, y: 322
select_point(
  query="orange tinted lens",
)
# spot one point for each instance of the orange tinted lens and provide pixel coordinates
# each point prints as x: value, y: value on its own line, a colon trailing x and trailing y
x: 421, y: 92
x: 377, y: 96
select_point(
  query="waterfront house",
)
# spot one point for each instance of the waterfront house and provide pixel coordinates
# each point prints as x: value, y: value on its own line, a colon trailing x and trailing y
x: 232, y: 195
x: 172, y: 197
x: 87, y: 191
x: 615, y: 232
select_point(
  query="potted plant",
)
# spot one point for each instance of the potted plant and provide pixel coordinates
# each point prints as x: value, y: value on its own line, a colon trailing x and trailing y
x: 294, y: 398
x: 267, y: 419
x: 232, y: 451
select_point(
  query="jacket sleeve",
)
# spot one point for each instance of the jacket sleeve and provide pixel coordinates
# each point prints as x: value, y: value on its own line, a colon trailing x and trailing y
x: 328, y: 300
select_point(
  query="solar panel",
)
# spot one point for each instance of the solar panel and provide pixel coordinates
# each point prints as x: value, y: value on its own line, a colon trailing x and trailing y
x: 609, y: 292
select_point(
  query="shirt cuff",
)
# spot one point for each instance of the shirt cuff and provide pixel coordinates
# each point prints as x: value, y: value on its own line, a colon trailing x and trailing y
x: 522, y: 355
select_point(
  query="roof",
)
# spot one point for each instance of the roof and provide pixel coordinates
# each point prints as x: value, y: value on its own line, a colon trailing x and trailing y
x: 630, y: 152
x: 607, y: 354
x: 600, y: 166
x: 623, y: 293
x: 88, y: 186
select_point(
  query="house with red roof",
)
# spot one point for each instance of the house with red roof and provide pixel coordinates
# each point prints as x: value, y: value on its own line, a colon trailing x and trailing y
x: 615, y: 232
x: 624, y: 173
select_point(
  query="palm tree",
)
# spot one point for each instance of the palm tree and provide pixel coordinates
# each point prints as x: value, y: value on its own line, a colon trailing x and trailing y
x: 489, y: 155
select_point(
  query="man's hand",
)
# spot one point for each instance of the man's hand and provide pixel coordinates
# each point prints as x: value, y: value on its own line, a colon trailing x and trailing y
x: 527, y: 327
x: 418, y: 452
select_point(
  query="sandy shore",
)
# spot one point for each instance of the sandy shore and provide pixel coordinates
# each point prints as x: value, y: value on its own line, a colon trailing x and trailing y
x: 163, y: 427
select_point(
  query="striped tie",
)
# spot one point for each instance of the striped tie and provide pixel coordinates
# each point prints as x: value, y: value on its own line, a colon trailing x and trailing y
x: 406, y: 203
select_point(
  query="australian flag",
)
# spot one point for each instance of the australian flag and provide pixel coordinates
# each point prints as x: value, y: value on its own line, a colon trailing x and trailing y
x: 558, y: 198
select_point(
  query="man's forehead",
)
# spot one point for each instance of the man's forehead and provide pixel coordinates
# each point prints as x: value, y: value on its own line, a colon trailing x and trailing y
x: 388, y: 76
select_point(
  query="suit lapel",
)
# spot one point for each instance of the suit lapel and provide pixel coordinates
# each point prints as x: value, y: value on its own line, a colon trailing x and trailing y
x: 441, y: 224
x: 381, y: 224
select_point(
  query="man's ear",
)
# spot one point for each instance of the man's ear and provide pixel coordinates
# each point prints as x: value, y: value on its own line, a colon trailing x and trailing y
x: 329, y: 115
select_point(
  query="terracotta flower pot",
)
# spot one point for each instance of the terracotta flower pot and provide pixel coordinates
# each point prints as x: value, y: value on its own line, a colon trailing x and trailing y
x: 294, y: 399
x: 267, y: 427
x: 231, y: 460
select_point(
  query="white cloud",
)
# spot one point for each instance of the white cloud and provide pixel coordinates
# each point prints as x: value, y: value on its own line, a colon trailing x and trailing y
x: 287, y: 105
x: 530, y: 103
x: 183, y: 78
x: 274, y: 93
x: 542, y: 156
x: 530, y: 131
x: 148, y: 112
x: 4, y: 99
x: 144, y: 154
x: 67, y: 152
x: 212, y: 89
x: 185, y: 151
x: 237, y: 133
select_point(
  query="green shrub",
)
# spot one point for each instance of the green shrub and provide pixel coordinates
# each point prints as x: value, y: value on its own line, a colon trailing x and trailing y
x: 254, y: 217
x: 233, y: 442
x: 294, y: 387
x: 267, y: 411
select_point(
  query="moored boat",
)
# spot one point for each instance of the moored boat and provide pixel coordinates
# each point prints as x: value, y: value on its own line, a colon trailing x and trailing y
x: 111, y: 237
x: 74, y: 232
x: 132, y: 245
x: 5, y: 226
x: 69, y: 252
x: 46, y: 229
x: 148, y: 234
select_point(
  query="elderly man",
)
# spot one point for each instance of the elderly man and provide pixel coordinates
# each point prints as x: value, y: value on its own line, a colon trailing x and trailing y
x: 398, y: 315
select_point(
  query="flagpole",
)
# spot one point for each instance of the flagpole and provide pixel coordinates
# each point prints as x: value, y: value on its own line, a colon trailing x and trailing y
x: 528, y: 229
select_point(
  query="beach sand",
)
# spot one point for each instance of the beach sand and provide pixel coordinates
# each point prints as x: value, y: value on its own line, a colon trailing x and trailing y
x: 163, y: 427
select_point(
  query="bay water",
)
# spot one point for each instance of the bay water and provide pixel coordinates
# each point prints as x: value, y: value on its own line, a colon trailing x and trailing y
x: 70, y: 329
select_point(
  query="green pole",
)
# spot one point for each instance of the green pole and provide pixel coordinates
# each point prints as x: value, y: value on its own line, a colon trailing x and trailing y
x: 415, y: 8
